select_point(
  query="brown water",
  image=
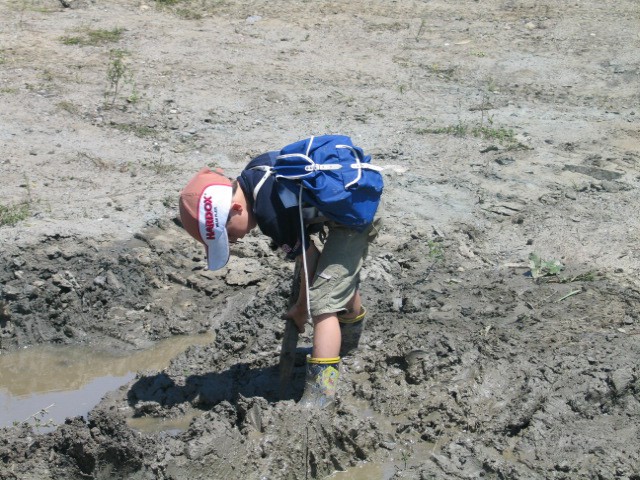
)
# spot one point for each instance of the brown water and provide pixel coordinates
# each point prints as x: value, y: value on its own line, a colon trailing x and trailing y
x: 368, y: 471
x: 69, y: 381
x: 167, y: 425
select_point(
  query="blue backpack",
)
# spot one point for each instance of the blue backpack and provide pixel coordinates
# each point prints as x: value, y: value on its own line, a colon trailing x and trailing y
x: 331, y: 174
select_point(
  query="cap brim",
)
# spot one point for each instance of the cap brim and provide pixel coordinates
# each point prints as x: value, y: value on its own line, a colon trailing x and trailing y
x: 213, y: 212
x: 220, y: 256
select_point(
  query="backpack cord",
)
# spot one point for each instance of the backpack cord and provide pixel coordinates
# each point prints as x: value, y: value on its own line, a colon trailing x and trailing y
x: 304, y: 250
x: 304, y: 258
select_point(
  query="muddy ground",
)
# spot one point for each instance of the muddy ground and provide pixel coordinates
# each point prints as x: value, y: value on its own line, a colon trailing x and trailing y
x: 518, y: 126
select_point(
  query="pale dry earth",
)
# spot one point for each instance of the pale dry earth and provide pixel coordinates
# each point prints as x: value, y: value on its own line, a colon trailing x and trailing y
x: 515, y: 127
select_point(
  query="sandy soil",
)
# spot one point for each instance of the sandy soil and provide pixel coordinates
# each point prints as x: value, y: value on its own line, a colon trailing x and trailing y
x: 518, y: 124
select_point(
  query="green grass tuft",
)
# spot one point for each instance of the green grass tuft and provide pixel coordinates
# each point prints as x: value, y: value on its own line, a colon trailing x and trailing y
x: 14, y: 213
x: 89, y: 37
x: 505, y: 136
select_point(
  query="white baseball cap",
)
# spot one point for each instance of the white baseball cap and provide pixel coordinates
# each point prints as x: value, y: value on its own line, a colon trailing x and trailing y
x: 204, y: 209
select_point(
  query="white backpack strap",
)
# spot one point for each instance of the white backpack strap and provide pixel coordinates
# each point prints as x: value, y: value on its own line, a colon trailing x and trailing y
x: 304, y: 253
x: 304, y: 257
x: 268, y: 171
x: 368, y: 166
x: 297, y: 155
x: 357, y: 165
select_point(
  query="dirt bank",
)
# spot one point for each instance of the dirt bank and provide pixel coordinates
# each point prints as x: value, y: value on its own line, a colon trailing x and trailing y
x: 502, y: 333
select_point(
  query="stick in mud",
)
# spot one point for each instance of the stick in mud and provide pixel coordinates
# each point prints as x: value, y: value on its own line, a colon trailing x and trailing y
x: 287, y: 356
x: 289, y: 338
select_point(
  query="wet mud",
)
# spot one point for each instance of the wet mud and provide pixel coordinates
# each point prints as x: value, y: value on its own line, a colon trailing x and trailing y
x: 502, y: 330
x: 44, y: 384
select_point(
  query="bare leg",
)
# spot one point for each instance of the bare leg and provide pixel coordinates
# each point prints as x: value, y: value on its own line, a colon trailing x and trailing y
x: 353, y: 307
x: 326, y: 336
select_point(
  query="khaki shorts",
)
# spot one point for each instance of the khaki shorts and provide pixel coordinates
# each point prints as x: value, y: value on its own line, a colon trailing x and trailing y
x: 338, y: 271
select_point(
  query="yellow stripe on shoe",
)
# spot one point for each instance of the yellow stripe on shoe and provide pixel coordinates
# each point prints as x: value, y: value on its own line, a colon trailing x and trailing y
x: 323, y: 361
x: 360, y: 316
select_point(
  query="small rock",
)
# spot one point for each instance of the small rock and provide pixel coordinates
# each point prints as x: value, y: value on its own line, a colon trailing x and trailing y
x: 397, y: 304
x: 113, y: 281
x: 504, y: 160
x: 610, y: 187
x: 176, y: 278
x: 447, y: 307
x: 60, y: 281
x: 621, y: 379
x: 30, y: 291
x: 10, y: 292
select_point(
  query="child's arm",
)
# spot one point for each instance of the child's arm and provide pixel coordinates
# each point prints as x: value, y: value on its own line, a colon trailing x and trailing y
x: 298, y: 312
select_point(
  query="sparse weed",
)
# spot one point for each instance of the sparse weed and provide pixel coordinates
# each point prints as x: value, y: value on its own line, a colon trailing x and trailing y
x: 549, y: 270
x: 90, y: 37
x: 589, y: 276
x: 191, y: 10
x: 38, y: 419
x: 441, y: 70
x: 98, y: 162
x: 13, y: 213
x: 134, y: 97
x: 492, y: 86
x: 169, y: 201
x: 405, y: 458
x: 159, y: 167
x: 459, y: 130
x: 118, y: 73
x: 129, y: 167
x: 188, y: 14
x: 436, y: 250
x: 543, y: 268
x: 23, y: 6
x: 67, y: 107
x: 505, y: 136
x: 141, y: 131
x: 181, y: 8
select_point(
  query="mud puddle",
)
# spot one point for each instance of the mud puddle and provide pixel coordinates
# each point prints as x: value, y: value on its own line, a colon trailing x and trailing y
x: 369, y: 471
x: 43, y: 385
x: 170, y: 426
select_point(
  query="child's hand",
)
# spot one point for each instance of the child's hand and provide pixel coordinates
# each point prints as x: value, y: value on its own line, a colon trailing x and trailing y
x: 298, y: 313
